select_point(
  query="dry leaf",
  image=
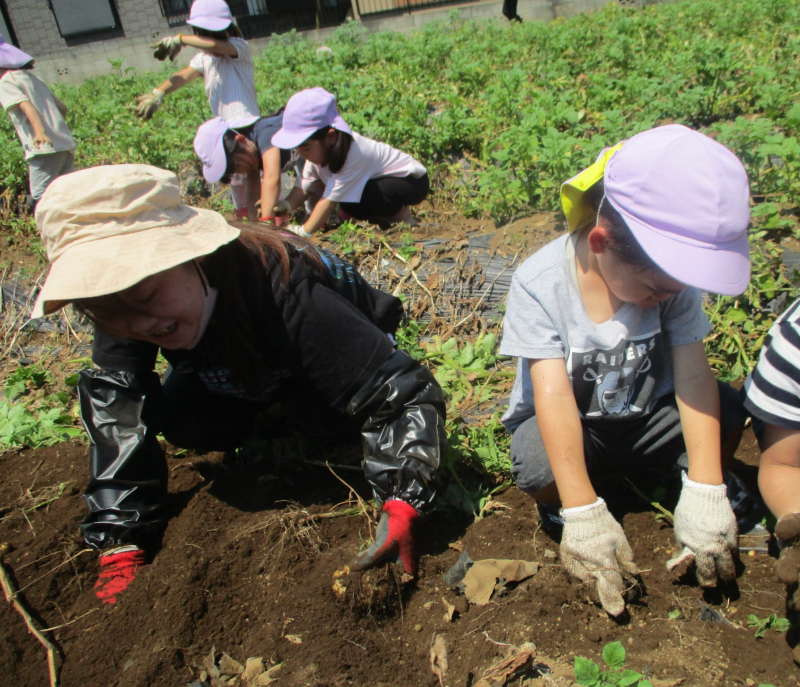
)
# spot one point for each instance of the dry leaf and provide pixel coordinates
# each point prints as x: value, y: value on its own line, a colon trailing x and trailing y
x: 229, y: 666
x: 294, y: 639
x: 479, y: 582
x: 509, y: 669
x: 439, y: 657
x: 456, y: 545
x: 449, y: 610
x: 211, y: 665
x: 252, y: 669
x: 268, y: 677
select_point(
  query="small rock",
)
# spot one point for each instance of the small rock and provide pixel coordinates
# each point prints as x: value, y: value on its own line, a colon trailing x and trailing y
x: 630, y: 640
x: 594, y: 636
x: 550, y: 554
x: 427, y: 605
x: 751, y: 553
x: 750, y: 682
x: 417, y: 628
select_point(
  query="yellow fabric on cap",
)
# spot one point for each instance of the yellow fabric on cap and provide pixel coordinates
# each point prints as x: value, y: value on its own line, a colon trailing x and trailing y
x: 107, y: 228
x: 573, y: 191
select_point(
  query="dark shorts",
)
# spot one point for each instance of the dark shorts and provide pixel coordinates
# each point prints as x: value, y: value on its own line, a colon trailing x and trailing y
x: 384, y: 197
x: 650, y: 443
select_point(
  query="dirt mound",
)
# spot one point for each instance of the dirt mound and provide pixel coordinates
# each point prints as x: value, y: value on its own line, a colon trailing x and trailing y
x: 248, y: 567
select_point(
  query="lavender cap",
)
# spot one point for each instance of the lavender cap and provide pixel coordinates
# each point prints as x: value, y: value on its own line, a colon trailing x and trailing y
x: 686, y: 199
x: 209, y: 146
x: 305, y: 113
x: 11, y: 57
x: 211, y: 15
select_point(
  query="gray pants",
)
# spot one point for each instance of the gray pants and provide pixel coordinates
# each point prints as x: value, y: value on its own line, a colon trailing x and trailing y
x: 44, y: 169
x: 650, y: 443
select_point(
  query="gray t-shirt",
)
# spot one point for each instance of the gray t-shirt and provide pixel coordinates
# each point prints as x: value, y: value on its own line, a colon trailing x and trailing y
x: 619, y: 368
x: 261, y: 134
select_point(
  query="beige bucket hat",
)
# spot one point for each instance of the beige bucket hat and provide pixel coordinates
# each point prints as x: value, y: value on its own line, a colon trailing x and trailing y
x: 107, y: 228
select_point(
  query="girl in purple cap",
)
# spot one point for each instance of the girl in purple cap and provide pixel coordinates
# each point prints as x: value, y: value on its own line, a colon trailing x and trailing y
x: 224, y: 61
x: 607, y: 325
x: 370, y: 180
x: 38, y: 117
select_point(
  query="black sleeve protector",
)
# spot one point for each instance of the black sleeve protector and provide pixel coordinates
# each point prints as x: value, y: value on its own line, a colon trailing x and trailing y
x: 127, y: 467
x: 404, y: 431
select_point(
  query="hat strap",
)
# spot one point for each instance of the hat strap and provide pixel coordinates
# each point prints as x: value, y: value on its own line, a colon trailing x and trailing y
x: 202, y: 278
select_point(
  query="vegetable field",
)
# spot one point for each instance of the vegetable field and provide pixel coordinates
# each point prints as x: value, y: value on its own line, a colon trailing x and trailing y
x: 500, y: 115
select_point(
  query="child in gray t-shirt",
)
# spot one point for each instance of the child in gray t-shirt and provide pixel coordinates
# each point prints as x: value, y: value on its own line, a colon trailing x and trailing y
x: 612, y: 376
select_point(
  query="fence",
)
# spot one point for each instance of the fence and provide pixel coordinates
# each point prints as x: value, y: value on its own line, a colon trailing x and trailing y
x: 257, y: 18
x: 373, y: 7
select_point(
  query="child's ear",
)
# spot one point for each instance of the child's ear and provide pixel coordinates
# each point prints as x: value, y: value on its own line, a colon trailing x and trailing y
x: 241, y: 140
x: 599, y: 238
x: 332, y: 136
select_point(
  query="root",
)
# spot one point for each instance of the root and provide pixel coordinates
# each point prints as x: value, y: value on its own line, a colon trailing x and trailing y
x: 10, y: 590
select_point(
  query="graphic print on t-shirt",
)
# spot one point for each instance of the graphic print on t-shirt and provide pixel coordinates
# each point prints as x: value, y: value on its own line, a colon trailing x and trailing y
x: 617, y: 383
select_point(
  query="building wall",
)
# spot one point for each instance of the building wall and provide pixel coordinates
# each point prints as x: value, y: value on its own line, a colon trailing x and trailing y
x: 62, y: 61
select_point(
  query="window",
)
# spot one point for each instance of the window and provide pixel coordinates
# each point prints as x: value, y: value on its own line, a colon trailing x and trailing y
x: 78, y: 17
x: 175, y: 8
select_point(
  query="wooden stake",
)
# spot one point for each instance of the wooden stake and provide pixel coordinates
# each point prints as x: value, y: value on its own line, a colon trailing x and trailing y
x: 10, y: 590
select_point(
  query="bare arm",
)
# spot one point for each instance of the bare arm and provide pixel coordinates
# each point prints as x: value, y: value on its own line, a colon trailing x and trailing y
x: 322, y: 210
x: 561, y: 430
x: 297, y: 196
x: 779, y: 472
x: 271, y: 183
x: 212, y: 45
x: 179, y: 80
x: 698, y: 404
x: 39, y: 135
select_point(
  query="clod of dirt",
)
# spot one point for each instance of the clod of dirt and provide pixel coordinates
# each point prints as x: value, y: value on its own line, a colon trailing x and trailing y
x: 375, y: 592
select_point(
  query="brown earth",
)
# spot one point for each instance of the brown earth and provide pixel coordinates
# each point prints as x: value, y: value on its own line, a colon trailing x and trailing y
x: 230, y: 577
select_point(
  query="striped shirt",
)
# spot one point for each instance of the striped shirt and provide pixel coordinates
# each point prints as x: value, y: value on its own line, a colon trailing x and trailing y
x: 773, y: 388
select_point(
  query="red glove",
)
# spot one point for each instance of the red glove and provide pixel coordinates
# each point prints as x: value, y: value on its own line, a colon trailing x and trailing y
x: 117, y: 570
x: 241, y: 213
x: 394, y: 537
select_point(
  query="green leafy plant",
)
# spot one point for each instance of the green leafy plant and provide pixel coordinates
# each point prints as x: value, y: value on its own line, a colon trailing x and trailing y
x: 771, y: 622
x: 588, y: 673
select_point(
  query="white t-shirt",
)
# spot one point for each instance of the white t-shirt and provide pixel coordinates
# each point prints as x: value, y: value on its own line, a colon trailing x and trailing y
x: 230, y: 84
x: 20, y: 85
x: 367, y: 159
x: 618, y: 369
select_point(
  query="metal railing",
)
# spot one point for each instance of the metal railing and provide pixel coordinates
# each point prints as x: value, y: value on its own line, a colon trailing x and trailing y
x: 373, y: 7
x: 257, y: 18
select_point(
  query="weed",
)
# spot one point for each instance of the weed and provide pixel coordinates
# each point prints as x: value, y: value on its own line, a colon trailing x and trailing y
x: 771, y: 622
x: 588, y: 673
x: 407, y: 249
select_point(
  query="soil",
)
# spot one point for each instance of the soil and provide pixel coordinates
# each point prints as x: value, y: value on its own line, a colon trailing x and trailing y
x: 229, y: 577
x: 248, y: 567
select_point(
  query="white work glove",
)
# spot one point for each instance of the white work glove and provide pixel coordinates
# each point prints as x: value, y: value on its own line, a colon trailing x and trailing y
x: 298, y: 229
x: 594, y: 549
x: 167, y: 47
x: 705, y: 527
x: 149, y: 103
x: 282, y: 207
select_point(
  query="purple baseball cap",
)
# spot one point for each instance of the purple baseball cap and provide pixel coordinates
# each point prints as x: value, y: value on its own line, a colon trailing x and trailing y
x: 211, y: 15
x: 11, y: 57
x: 686, y: 199
x: 209, y: 144
x: 305, y: 113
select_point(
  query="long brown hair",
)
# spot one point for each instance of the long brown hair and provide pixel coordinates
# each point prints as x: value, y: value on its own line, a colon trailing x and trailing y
x: 237, y: 270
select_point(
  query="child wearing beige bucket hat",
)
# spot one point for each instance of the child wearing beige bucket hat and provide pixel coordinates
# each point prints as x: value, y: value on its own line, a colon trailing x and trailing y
x: 245, y: 318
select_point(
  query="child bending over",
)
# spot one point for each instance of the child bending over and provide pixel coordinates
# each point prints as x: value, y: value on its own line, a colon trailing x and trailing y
x: 612, y: 376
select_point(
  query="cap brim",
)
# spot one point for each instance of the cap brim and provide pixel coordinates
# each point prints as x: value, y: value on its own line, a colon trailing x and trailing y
x: 290, y: 139
x: 11, y: 57
x: 210, y: 23
x: 718, y: 268
x: 109, y: 265
x: 219, y: 163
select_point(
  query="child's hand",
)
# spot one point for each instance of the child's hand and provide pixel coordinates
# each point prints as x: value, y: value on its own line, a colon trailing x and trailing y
x: 705, y: 528
x: 148, y: 104
x: 298, y: 229
x: 167, y: 47
x: 788, y: 568
x: 41, y: 139
x: 594, y: 549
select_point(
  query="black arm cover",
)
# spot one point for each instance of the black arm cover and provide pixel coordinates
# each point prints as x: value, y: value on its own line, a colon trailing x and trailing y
x: 403, y: 436
x: 127, y: 468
